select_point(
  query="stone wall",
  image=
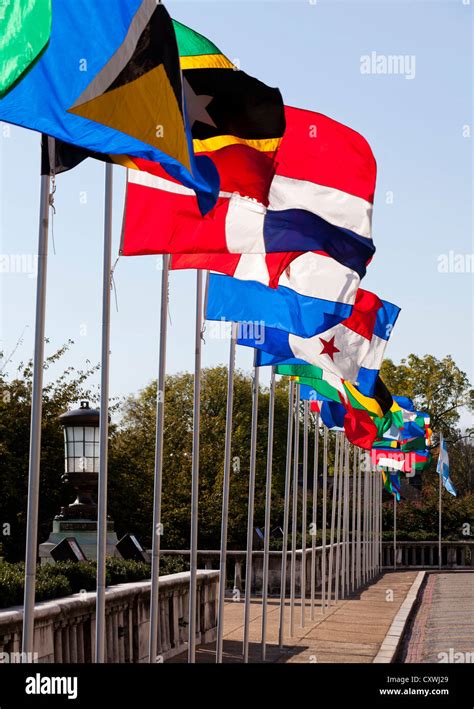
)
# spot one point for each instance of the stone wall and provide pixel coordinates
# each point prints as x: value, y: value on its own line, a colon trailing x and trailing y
x: 65, y: 627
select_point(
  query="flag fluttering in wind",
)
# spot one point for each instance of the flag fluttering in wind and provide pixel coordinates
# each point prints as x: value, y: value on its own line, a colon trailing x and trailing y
x: 442, y: 467
x: 109, y: 81
x: 309, y: 204
x: 25, y: 28
x: 314, y: 293
x: 352, y: 350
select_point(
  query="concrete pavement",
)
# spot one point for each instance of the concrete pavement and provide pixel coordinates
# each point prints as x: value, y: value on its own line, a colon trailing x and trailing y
x: 352, y: 631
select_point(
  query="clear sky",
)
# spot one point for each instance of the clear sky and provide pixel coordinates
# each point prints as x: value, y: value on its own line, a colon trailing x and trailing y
x: 417, y: 123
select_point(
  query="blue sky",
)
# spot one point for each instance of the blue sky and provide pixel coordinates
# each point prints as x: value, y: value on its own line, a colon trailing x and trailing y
x: 312, y: 51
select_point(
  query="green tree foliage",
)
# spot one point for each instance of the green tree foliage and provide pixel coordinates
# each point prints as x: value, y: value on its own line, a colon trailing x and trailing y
x: 15, y: 411
x: 437, y: 386
x: 132, y: 458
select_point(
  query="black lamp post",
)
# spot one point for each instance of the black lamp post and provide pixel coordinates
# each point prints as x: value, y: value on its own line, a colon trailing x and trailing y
x: 81, y: 448
x: 79, y: 519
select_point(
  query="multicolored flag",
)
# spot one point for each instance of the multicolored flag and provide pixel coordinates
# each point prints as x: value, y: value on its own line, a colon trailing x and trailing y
x: 352, y: 350
x: 332, y: 387
x: 313, y: 294
x: 320, y: 199
x: 109, y: 81
x: 25, y: 28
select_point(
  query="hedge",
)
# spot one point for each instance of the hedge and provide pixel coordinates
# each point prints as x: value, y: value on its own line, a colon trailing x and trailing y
x: 67, y: 577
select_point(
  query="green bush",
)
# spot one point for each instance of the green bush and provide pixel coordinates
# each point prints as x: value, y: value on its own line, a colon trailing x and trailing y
x: 65, y: 578
x: 173, y: 565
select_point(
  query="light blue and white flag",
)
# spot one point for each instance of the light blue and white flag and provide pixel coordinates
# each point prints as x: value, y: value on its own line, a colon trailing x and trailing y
x: 442, y: 467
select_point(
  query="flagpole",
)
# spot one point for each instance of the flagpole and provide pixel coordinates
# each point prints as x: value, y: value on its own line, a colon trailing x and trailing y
x: 343, y: 523
x: 353, y: 540
x: 359, y: 529
x: 225, y: 495
x: 195, y: 472
x: 394, y: 531
x: 333, y: 517
x: 324, y: 519
x: 294, y: 520
x: 250, y: 511
x: 286, y: 513
x: 339, y: 502
x: 268, y: 504
x: 372, y: 522
x: 104, y: 422
x: 35, y: 425
x: 348, y: 528
x: 380, y: 524
x: 158, y: 472
x: 440, y: 515
x: 304, y: 512
x: 364, y: 523
x: 315, y: 514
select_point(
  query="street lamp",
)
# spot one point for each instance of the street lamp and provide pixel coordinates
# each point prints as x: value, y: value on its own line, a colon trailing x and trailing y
x: 81, y: 439
x: 81, y: 449
x: 81, y: 470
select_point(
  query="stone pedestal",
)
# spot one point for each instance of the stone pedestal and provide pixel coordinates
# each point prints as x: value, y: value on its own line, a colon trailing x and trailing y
x: 85, y: 533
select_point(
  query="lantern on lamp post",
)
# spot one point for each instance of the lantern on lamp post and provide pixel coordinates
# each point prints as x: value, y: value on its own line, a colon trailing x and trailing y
x: 81, y: 470
x: 81, y: 450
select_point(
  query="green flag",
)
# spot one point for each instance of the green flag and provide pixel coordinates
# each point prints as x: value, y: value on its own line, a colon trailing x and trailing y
x: 25, y: 27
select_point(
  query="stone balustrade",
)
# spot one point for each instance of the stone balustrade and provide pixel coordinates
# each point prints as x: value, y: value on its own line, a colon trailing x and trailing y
x: 65, y: 627
x: 424, y: 555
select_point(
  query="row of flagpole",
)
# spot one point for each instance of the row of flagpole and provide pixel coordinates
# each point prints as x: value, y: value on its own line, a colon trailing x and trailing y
x: 366, y: 521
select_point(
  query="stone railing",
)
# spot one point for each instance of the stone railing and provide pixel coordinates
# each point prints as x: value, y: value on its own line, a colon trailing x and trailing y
x: 236, y: 563
x: 65, y: 628
x: 424, y: 555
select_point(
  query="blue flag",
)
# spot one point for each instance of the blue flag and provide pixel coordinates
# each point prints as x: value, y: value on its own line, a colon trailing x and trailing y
x: 442, y: 467
x: 233, y: 300
x: 110, y: 81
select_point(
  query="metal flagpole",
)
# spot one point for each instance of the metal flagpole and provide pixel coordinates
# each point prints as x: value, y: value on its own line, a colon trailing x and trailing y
x: 250, y: 512
x: 35, y: 425
x: 333, y: 516
x: 346, y: 550
x: 104, y: 422
x: 359, y: 535
x: 339, y: 501
x: 195, y: 472
x: 343, y: 524
x: 314, y: 521
x: 353, y: 540
x: 304, y: 511
x: 394, y: 531
x: 348, y: 528
x: 369, y: 523
x: 365, y: 522
x: 294, y: 513
x: 158, y: 473
x: 324, y: 519
x: 380, y: 523
x: 286, y: 513
x: 225, y: 495
x: 268, y: 504
x: 440, y: 519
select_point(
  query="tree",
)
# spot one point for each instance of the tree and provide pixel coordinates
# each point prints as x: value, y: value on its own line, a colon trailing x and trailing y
x: 132, y: 459
x: 15, y: 411
x: 437, y: 386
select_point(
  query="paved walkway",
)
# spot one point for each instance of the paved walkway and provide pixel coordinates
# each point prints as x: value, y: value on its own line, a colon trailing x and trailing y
x: 352, y: 631
x: 444, y: 622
